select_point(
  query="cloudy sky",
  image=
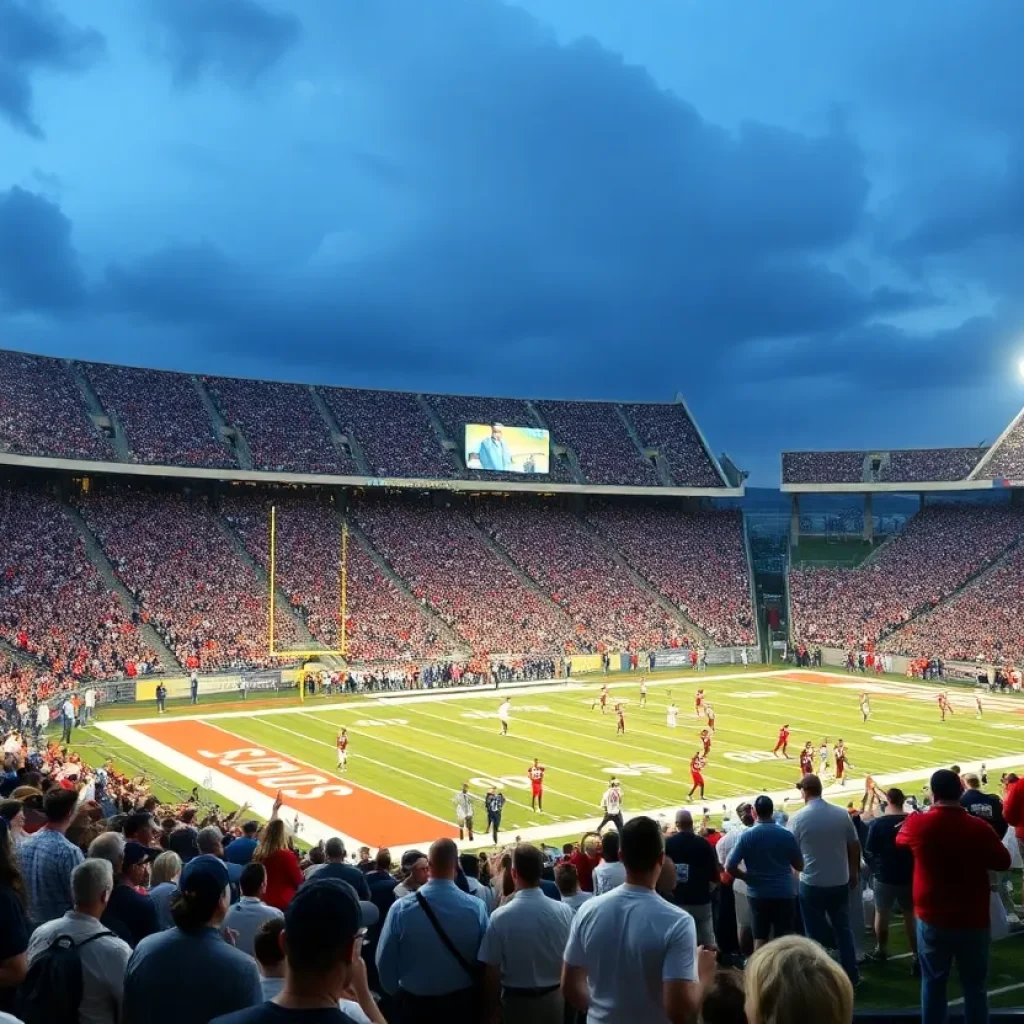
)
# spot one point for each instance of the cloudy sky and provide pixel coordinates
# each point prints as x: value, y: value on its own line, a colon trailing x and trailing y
x: 806, y: 216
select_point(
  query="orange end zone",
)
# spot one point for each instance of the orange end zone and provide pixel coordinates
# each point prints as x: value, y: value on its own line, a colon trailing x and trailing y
x: 377, y: 820
x: 809, y: 677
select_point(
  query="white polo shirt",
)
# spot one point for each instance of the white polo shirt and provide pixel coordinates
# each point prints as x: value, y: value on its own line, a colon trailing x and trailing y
x: 526, y: 937
x: 724, y: 848
x: 630, y: 941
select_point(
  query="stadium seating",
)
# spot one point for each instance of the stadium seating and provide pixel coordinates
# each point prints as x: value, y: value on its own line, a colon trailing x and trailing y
x: 382, y: 622
x: 911, y: 465
x: 54, y: 605
x: 284, y: 428
x: 669, y: 429
x: 939, y: 549
x: 697, y: 560
x: 1007, y: 459
x: 578, y: 572
x: 203, y: 598
x: 163, y: 417
x: 42, y: 411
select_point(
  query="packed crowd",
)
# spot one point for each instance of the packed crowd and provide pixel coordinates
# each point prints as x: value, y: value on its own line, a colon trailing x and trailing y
x: 910, y: 465
x: 54, y: 605
x: 202, y: 597
x: 606, y: 452
x: 697, y: 560
x: 162, y: 415
x: 580, y: 575
x: 981, y: 622
x: 282, y: 425
x: 392, y: 429
x: 938, y: 550
x: 1008, y: 458
x: 669, y: 429
x: 382, y: 623
x: 42, y: 411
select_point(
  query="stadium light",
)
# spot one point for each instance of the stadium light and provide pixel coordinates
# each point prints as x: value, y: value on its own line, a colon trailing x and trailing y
x: 1020, y: 367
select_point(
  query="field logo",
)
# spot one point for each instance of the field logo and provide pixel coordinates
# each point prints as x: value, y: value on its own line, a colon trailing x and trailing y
x: 505, y: 781
x: 750, y: 756
x: 637, y: 769
x: 276, y: 771
x: 490, y: 715
x: 904, y: 739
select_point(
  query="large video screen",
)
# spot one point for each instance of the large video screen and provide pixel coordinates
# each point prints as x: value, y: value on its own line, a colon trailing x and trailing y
x: 501, y: 449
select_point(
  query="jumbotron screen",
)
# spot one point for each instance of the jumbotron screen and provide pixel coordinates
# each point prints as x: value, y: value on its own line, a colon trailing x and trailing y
x: 501, y: 449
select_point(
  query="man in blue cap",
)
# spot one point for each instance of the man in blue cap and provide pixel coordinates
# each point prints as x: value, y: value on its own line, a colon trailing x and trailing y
x: 190, y: 973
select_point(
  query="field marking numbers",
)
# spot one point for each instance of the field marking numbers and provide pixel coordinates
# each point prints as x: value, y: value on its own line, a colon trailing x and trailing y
x: 904, y: 739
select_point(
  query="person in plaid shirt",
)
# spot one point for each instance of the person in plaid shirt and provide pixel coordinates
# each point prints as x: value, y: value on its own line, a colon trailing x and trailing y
x: 48, y: 858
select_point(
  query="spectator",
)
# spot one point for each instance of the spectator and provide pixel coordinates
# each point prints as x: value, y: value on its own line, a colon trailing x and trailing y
x: 163, y: 884
x: 210, y: 839
x: 13, y: 812
x: 611, y: 871
x: 769, y: 854
x: 831, y: 856
x: 416, y: 872
x: 323, y: 932
x: 382, y: 884
x: 696, y: 875
x: 245, y: 918
x: 741, y: 901
x: 585, y: 858
x: 892, y: 868
x: 284, y: 875
x: 335, y: 866
x: 986, y: 806
x: 631, y: 956
x: 190, y: 973
x: 724, y: 999
x: 1013, y: 807
x: 470, y: 864
x: 431, y: 977
x: 128, y: 906
x: 266, y: 945
x: 140, y: 828
x: 523, y: 948
x: 794, y: 979
x: 103, y: 955
x: 47, y: 860
x: 568, y: 882
x: 14, y: 926
x: 953, y: 855
x: 241, y: 849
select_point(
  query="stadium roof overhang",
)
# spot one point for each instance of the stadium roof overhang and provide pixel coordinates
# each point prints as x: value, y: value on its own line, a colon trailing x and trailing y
x: 84, y: 467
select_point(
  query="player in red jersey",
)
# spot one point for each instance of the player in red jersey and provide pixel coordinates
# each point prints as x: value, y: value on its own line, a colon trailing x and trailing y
x: 842, y: 760
x: 643, y: 692
x: 944, y: 705
x: 343, y: 749
x: 697, y: 766
x: 535, y: 773
x: 698, y: 703
x: 601, y: 698
x: 705, y: 738
x: 620, y: 725
x: 783, y: 742
x: 710, y: 712
x: 807, y: 759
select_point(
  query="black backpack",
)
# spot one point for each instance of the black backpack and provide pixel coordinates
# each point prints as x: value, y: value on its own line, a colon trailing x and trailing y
x: 52, y: 989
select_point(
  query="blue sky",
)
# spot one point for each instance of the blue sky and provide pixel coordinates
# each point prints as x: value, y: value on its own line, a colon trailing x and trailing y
x: 808, y: 217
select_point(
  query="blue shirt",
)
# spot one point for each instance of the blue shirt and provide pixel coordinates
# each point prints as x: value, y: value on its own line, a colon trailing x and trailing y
x: 47, y: 860
x: 768, y: 852
x: 177, y: 976
x: 240, y: 850
x: 410, y: 955
x: 161, y: 896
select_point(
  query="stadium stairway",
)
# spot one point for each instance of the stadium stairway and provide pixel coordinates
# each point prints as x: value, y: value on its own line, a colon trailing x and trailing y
x: 644, y: 584
x: 454, y: 450
x: 231, y: 435
x: 437, y: 624
x: 105, y: 422
x: 342, y: 440
x: 95, y: 553
x: 649, y: 454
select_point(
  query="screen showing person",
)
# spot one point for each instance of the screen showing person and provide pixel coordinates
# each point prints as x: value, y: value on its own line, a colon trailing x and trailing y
x: 499, y: 449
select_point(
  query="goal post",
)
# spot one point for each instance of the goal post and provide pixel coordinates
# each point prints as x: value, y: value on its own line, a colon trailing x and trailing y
x: 342, y: 649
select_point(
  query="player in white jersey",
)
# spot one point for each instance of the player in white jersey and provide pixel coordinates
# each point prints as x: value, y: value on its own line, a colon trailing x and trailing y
x: 343, y: 749
x: 672, y: 716
x: 865, y: 707
x: 823, y: 757
x: 643, y: 692
x: 503, y: 714
x: 977, y: 701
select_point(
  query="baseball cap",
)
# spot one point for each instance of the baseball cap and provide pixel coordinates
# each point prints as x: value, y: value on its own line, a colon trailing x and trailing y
x: 410, y: 857
x: 205, y: 875
x: 324, y: 914
x: 136, y: 853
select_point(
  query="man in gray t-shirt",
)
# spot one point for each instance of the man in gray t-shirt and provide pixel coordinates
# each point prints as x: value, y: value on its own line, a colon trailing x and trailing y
x: 831, y: 854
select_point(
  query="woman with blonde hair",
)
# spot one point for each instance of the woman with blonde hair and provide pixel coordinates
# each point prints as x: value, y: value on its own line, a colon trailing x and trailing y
x: 163, y: 883
x: 792, y: 979
x: 284, y: 875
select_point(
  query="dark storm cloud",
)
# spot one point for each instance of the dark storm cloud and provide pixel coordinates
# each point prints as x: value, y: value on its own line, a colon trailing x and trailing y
x: 39, y: 268
x: 237, y: 40
x: 35, y: 37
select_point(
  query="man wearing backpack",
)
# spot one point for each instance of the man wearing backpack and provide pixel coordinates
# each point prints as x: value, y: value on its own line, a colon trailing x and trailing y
x: 75, y: 965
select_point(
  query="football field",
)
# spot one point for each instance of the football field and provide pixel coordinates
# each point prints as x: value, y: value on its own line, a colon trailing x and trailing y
x: 407, y: 756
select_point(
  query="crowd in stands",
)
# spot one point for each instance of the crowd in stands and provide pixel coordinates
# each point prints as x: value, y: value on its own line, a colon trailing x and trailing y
x: 910, y: 465
x: 580, y: 575
x: 42, y: 411
x: 54, y: 605
x: 697, y: 560
x: 448, y: 564
x: 203, y: 598
x: 606, y: 452
x: 282, y: 425
x: 163, y: 417
x: 1008, y: 458
x: 937, y: 552
x: 393, y: 430
x: 383, y: 623
x: 669, y: 429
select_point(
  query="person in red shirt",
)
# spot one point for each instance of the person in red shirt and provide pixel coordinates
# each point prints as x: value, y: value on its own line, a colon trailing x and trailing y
x: 1013, y: 807
x: 807, y: 759
x: 953, y: 855
x: 585, y: 857
x: 620, y: 727
x: 284, y: 876
x: 705, y: 738
x: 944, y: 705
x: 697, y: 766
x: 535, y: 774
x: 783, y: 742
x: 698, y: 703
